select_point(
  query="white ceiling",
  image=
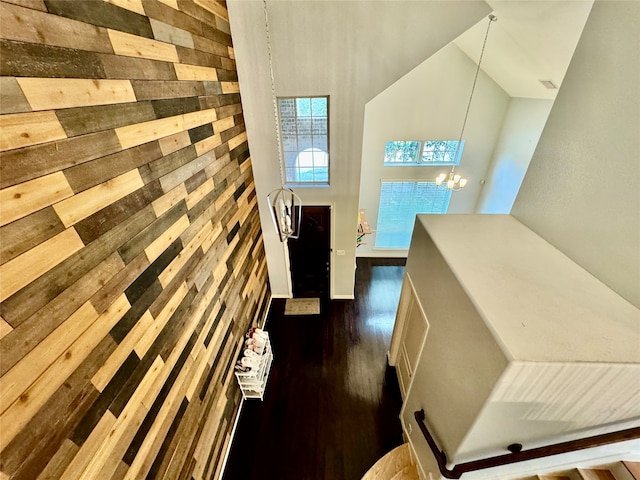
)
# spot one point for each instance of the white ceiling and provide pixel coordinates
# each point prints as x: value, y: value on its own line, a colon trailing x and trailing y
x: 531, y: 41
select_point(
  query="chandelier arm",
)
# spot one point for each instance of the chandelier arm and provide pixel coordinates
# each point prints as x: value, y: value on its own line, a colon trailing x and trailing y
x: 274, y: 99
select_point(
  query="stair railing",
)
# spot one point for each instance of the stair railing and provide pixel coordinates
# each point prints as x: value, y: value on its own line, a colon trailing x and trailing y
x: 517, y: 454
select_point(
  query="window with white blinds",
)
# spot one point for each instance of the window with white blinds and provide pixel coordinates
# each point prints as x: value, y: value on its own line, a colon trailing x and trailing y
x: 400, y: 201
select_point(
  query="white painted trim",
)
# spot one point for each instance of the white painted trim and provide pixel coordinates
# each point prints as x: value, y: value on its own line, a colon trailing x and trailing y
x: 279, y: 295
x: 343, y: 297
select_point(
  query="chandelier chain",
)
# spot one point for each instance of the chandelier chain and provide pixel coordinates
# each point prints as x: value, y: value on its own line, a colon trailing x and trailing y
x: 273, y: 92
x: 492, y: 18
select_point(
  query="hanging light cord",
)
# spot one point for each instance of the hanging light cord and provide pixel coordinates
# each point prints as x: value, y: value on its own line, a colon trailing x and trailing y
x: 492, y: 18
x: 273, y: 92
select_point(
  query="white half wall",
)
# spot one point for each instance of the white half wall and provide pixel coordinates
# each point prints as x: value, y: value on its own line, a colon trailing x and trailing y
x: 581, y: 191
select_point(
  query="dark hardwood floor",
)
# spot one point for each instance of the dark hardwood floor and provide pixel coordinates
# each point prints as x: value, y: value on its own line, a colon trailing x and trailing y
x: 332, y: 404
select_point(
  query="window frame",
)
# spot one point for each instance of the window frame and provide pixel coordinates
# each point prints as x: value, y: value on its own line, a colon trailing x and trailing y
x: 420, y: 152
x: 297, y: 183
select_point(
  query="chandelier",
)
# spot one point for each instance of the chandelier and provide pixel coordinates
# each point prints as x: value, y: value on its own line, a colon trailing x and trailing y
x: 285, y: 206
x: 452, y: 180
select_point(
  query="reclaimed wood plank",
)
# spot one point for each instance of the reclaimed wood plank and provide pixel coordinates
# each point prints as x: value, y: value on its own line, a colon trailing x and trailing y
x: 167, y: 276
x: 158, y: 168
x: 175, y: 106
x: 134, y: 135
x: 119, y: 282
x: 49, y: 94
x: 28, y: 334
x: 24, y: 129
x: 28, y: 232
x: 175, y: 142
x: 21, y: 200
x: 38, y: 293
x: 21, y: 411
x: 198, y: 57
x: 22, y: 375
x: 115, y: 443
x: 31, y: 26
x: 25, y: 268
x: 108, y: 218
x: 12, y: 100
x: 89, y: 447
x: 170, y: 34
x: 202, y: 117
x: 56, y: 466
x: 169, y: 199
x: 179, y: 175
x: 158, y: 89
x: 83, y: 120
x: 21, y: 59
x: 160, y: 244
x: 136, y: 68
x: 169, y: 12
x: 208, y: 144
x: 133, y: 5
x: 195, y: 72
x: 89, y: 174
x: 214, y: 7
x: 230, y: 87
x: 17, y: 166
x: 199, y: 193
x: 103, y: 14
x: 135, y: 46
x: 84, y: 204
x: 34, y: 4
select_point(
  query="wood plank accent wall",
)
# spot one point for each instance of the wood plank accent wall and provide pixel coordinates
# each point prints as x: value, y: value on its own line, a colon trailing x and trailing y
x: 131, y: 252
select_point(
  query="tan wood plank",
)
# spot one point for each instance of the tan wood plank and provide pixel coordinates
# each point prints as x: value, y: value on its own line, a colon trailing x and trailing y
x: 21, y: 200
x: 108, y: 455
x: 174, y: 143
x: 34, y: 4
x: 169, y: 199
x: 161, y: 243
x: 161, y: 320
x: 89, y: 447
x: 5, y: 328
x: 224, y: 196
x: 21, y: 411
x: 214, y: 7
x: 195, y: 119
x: 31, y: 26
x: 133, y: 46
x: 223, y: 124
x: 195, y: 72
x: 25, y: 268
x: 131, y: 5
x: 19, y: 378
x: 59, y: 462
x: 232, y: 53
x: 133, y: 135
x: 212, y: 237
x: 237, y: 140
x: 208, y: 144
x: 23, y: 129
x: 86, y: 203
x: 230, y: 87
x: 199, y: 193
x: 54, y: 93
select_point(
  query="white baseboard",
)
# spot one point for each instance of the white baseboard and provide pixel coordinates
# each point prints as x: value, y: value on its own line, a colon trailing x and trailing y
x: 279, y: 295
x: 233, y: 434
x: 343, y: 297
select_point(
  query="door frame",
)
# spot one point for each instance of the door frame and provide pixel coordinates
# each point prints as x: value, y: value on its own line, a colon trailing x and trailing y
x: 332, y: 234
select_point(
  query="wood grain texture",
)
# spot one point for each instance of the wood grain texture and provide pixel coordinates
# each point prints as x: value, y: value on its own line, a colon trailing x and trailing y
x: 20, y: 200
x: 46, y: 94
x: 24, y: 129
x: 130, y: 236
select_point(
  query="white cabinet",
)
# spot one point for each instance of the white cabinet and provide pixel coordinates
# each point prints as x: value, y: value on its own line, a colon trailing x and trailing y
x: 254, y: 382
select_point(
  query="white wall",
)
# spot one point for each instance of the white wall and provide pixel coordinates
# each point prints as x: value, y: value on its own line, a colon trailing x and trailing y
x: 581, y: 191
x: 521, y: 130
x: 350, y: 51
x: 430, y: 103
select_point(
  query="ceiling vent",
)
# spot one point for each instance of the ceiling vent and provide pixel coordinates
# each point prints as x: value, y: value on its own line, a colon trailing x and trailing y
x: 549, y: 84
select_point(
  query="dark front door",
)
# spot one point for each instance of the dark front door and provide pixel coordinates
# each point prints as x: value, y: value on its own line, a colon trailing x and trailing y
x: 309, y: 254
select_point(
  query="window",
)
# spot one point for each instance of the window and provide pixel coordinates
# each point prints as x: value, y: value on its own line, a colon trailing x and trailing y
x: 423, y: 153
x: 304, y: 129
x: 400, y: 201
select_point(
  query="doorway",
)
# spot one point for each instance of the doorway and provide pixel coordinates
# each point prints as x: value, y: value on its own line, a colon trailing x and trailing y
x: 309, y: 255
